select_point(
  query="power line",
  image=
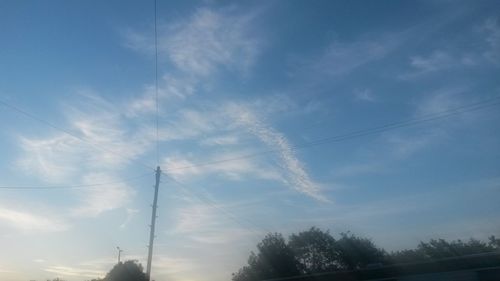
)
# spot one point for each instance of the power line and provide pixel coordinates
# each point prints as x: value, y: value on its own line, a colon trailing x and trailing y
x: 359, y: 133
x: 75, y: 186
x: 156, y: 89
x: 256, y: 228
x: 69, y: 133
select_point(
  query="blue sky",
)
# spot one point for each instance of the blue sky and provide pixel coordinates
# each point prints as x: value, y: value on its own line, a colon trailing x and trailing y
x: 237, y: 79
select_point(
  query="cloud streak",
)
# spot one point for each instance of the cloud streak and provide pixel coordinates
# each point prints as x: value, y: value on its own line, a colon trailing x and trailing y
x: 296, y: 175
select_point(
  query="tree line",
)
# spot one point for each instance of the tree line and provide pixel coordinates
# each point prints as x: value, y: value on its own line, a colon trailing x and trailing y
x: 317, y: 251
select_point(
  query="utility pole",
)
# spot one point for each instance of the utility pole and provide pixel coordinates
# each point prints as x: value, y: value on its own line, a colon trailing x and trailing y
x: 153, y: 222
x: 119, y: 253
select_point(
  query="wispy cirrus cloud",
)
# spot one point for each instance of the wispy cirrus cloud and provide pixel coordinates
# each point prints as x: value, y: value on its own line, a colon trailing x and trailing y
x: 443, y: 58
x: 221, y: 140
x: 210, y: 39
x: 197, y: 47
x: 207, y: 40
x: 237, y: 169
x: 108, y: 146
x: 171, y: 88
x: 42, y: 157
x: 295, y: 173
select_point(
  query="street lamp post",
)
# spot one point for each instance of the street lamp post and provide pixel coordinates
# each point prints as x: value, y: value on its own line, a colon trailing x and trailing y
x: 119, y: 253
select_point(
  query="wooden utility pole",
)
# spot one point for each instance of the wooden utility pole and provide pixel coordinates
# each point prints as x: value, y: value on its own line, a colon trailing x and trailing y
x: 153, y: 222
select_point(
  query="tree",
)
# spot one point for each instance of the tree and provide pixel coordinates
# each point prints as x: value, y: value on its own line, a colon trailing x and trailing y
x: 310, y: 251
x: 315, y: 251
x: 494, y: 242
x: 440, y: 248
x: 356, y: 252
x: 273, y: 259
x: 126, y: 271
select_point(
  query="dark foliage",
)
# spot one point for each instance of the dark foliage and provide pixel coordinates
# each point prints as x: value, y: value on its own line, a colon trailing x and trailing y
x: 126, y: 271
x: 273, y: 259
x: 356, y: 252
x: 316, y: 251
x: 440, y: 248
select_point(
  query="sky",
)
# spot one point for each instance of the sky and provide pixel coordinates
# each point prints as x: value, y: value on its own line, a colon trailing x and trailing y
x: 376, y: 117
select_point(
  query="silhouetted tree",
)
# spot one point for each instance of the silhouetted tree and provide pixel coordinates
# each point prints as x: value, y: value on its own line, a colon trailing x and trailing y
x: 273, y: 259
x: 126, y: 271
x: 440, y: 248
x: 355, y: 252
x: 315, y: 251
x: 310, y: 251
x: 494, y: 242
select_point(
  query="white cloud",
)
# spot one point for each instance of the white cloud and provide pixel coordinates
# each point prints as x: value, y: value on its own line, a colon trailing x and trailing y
x: 108, y: 143
x: 109, y: 146
x: 30, y: 222
x: 210, y: 39
x: 50, y: 159
x: 484, y: 52
x: 171, y: 88
x: 221, y: 140
x: 204, y: 42
x: 296, y: 175
x: 364, y: 95
x: 237, y: 169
